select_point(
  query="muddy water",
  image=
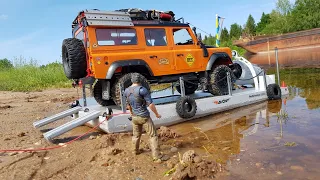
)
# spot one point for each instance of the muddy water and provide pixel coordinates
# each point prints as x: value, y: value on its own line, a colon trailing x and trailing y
x: 298, y: 57
x: 268, y: 140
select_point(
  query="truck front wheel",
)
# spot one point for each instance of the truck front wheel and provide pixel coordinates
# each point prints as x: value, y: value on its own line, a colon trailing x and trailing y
x: 218, y: 84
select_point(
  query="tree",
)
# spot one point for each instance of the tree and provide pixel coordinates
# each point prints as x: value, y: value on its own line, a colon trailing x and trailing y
x: 205, y: 38
x: 211, y: 40
x: 284, y: 7
x: 278, y: 24
x: 224, y: 35
x: 235, y: 31
x: 305, y: 15
x: 250, y: 28
x: 264, y: 21
x: 5, y: 64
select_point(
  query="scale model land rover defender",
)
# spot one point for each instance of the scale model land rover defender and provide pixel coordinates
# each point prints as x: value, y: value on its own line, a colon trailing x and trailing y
x: 108, y: 46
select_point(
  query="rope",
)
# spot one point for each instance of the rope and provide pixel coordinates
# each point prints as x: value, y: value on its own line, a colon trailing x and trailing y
x: 252, y: 77
x: 199, y: 29
x: 58, y: 146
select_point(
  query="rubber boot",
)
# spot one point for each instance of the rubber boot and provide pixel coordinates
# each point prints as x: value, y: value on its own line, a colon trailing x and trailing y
x: 155, y: 147
x: 135, y: 145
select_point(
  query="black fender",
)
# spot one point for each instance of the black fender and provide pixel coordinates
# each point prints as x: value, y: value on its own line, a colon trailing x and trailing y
x: 216, y: 56
x: 129, y: 62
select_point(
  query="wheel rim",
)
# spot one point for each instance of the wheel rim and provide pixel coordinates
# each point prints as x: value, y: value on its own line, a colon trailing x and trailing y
x: 187, y: 107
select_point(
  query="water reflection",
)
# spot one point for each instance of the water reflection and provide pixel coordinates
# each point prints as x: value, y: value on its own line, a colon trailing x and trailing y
x: 305, y: 85
x: 219, y: 136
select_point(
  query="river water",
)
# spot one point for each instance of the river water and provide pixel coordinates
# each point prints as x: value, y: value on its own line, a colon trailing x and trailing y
x: 269, y: 140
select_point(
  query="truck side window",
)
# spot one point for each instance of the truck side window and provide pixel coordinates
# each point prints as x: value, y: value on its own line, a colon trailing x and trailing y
x: 155, y: 37
x: 116, y: 37
x: 182, y: 37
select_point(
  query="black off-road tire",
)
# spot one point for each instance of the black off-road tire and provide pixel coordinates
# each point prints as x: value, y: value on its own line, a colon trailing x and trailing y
x: 186, y: 107
x: 218, y: 80
x: 237, y: 70
x: 190, y: 88
x: 273, y: 91
x: 97, y: 94
x: 74, y: 58
x: 126, y: 80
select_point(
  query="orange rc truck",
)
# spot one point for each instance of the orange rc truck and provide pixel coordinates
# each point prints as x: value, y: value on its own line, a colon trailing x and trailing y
x: 107, y: 46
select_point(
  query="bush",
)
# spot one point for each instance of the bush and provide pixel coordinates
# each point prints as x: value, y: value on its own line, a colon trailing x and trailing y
x: 27, y: 76
x: 5, y: 64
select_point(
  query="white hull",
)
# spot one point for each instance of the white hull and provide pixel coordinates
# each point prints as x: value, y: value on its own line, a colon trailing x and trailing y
x: 205, y: 106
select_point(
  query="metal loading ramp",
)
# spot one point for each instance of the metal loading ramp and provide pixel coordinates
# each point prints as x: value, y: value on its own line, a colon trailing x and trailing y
x: 113, y: 119
x: 86, y: 115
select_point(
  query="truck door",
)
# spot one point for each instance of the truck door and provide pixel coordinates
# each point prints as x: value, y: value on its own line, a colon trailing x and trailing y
x: 186, y: 52
x: 159, y: 51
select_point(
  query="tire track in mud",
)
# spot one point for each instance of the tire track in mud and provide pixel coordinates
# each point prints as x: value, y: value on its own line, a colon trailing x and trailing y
x: 60, y: 171
x: 41, y: 163
x: 18, y: 160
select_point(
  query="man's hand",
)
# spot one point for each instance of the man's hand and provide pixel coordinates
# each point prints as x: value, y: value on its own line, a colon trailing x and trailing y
x: 130, y: 110
x: 158, y: 116
x: 154, y: 110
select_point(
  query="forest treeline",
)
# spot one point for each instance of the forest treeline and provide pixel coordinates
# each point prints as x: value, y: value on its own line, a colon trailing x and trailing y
x: 284, y: 18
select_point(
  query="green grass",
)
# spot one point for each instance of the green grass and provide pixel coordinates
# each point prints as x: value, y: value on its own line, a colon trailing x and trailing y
x: 29, y: 77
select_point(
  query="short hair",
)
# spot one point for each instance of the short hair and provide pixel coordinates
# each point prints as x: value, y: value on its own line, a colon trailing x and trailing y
x: 136, y: 78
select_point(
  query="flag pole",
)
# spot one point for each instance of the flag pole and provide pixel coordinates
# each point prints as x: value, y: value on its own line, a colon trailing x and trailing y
x: 217, y: 33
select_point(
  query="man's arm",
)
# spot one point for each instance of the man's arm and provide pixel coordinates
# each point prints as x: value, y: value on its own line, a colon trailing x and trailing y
x: 154, y: 109
x: 146, y: 95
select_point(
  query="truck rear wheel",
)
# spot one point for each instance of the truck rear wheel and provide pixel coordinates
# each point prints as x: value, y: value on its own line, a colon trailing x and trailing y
x: 218, y: 80
x: 97, y: 94
x: 74, y: 58
x: 190, y: 88
x: 126, y: 81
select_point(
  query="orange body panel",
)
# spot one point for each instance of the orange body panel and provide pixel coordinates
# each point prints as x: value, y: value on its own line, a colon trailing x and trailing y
x: 162, y: 60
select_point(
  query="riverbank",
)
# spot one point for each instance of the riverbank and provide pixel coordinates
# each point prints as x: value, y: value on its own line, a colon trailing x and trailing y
x: 93, y: 156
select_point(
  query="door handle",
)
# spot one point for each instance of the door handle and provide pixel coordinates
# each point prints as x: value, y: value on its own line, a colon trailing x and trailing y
x: 153, y: 56
x: 179, y: 54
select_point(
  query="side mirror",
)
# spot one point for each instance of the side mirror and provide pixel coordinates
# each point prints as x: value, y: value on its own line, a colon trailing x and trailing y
x: 234, y: 53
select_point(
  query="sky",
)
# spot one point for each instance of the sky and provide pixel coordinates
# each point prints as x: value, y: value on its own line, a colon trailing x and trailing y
x: 36, y: 28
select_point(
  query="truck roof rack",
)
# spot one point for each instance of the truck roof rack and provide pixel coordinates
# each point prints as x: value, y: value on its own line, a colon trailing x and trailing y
x: 125, y: 17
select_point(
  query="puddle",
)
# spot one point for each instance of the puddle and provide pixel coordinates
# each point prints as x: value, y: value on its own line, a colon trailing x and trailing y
x: 268, y: 140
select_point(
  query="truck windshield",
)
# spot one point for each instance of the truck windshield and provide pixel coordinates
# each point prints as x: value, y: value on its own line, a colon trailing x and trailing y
x: 116, y: 37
